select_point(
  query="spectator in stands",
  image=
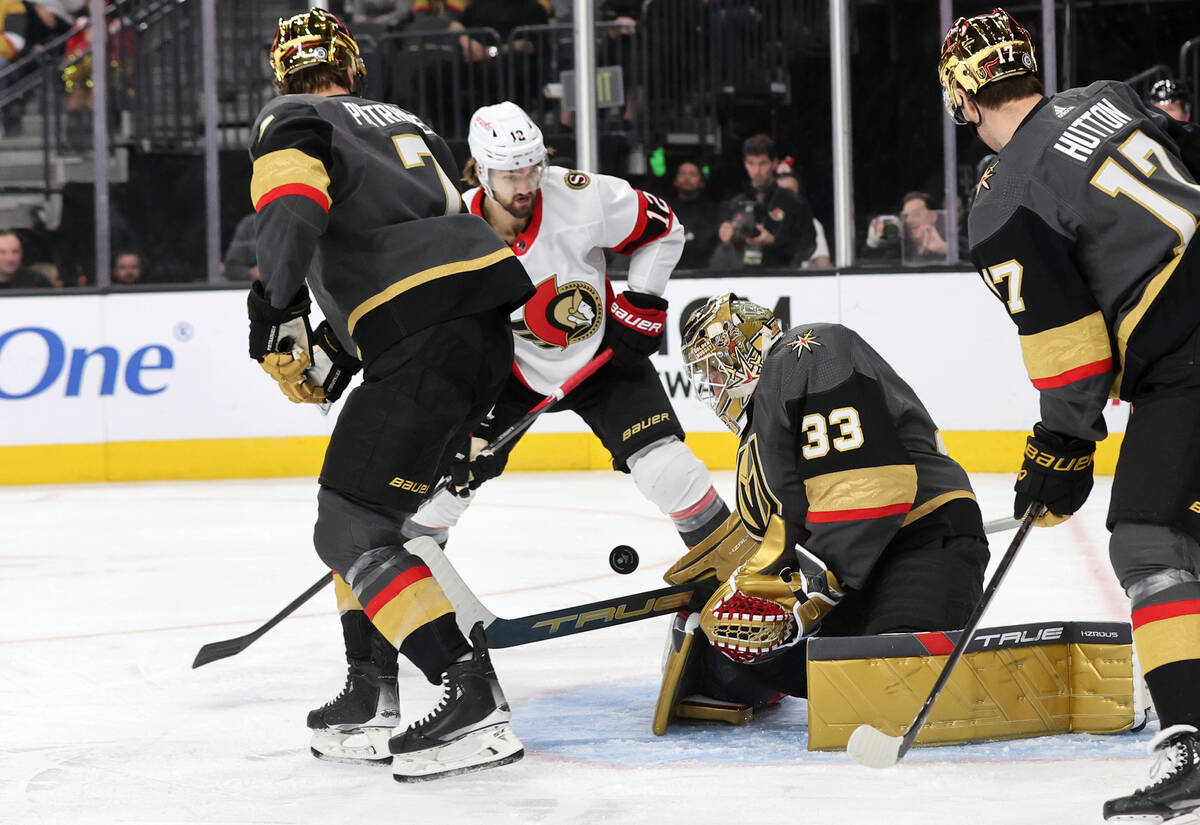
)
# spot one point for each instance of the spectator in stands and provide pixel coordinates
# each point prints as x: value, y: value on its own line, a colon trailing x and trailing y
x: 1172, y: 97
x: 12, y: 274
x: 127, y: 268
x: 24, y: 25
x: 698, y: 213
x: 241, y: 261
x: 786, y: 178
x: 765, y: 224
x: 505, y: 15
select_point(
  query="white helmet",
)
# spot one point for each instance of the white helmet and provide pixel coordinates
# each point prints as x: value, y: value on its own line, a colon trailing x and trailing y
x: 502, y: 138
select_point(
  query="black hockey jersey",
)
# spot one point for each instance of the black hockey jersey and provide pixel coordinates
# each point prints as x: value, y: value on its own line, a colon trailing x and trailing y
x: 842, y: 447
x: 360, y: 198
x: 1082, y: 226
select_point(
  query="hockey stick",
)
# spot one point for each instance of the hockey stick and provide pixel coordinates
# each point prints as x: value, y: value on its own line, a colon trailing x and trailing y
x: 567, y: 621
x: 872, y: 747
x: 551, y: 624
x: 213, y: 651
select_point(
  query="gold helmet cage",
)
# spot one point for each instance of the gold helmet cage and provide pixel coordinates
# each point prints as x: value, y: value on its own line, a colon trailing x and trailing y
x: 980, y: 50
x: 724, y: 343
x: 313, y: 38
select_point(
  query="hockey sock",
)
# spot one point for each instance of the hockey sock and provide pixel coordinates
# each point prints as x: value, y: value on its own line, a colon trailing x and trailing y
x: 1166, y: 631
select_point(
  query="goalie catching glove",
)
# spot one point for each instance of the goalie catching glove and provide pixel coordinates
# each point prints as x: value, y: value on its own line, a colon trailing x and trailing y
x: 1057, y: 472
x: 768, y: 604
x: 311, y: 367
x: 637, y: 322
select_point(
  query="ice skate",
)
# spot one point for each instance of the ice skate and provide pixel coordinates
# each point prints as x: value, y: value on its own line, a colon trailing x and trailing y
x: 466, y: 731
x: 355, y: 725
x: 1174, y: 795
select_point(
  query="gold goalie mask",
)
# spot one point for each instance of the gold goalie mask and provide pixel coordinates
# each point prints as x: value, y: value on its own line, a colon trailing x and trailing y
x: 981, y: 50
x: 313, y: 38
x: 724, y: 343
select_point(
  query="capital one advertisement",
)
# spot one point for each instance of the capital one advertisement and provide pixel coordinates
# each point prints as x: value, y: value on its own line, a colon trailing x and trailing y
x: 155, y: 366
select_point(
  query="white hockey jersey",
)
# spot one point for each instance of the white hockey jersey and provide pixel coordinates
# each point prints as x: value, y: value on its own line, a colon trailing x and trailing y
x: 576, y: 217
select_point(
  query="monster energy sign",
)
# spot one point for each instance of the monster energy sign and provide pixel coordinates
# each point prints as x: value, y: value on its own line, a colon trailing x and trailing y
x: 610, y: 88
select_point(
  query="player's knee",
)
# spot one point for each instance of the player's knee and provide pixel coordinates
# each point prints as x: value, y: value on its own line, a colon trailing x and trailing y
x: 1149, y: 558
x: 669, y: 474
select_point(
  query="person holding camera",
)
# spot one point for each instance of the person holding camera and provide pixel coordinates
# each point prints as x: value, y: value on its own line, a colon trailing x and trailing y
x: 764, y: 225
x: 916, y: 234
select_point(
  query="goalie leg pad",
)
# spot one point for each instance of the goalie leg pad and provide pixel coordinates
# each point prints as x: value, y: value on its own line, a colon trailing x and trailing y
x: 679, y: 669
x: 1014, y: 682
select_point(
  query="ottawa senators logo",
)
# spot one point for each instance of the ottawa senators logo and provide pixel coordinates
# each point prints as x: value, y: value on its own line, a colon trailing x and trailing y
x: 755, y: 501
x: 558, y: 316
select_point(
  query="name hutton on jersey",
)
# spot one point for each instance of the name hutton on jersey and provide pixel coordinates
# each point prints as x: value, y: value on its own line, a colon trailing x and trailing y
x: 1081, y: 138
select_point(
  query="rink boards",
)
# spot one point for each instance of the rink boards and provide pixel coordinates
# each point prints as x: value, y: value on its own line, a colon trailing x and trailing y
x: 158, y: 385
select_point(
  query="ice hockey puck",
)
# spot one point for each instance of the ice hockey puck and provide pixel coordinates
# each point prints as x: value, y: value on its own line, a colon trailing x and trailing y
x: 623, y: 559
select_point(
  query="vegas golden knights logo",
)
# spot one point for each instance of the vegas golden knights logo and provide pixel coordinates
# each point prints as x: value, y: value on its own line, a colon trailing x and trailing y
x: 755, y: 501
x: 558, y: 316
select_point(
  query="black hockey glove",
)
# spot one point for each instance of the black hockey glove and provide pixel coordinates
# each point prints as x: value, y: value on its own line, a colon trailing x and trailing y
x: 637, y: 322
x: 474, y: 463
x: 332, y: 366
x: 281, y: 341
x: 1057, y: 472
x: 269, y: 326
x: 467, y: 473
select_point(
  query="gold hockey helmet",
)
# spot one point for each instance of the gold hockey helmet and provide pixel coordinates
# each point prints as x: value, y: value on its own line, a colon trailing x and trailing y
x: 724, y: 343
x: 313, y: 38
x: 980, y: 50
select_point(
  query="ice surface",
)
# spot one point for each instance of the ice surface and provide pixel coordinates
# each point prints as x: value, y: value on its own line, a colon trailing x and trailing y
x: 107, y: 591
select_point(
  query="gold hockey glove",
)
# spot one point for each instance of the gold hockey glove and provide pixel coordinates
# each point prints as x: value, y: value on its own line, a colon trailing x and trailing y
x: 288, y: 369
x: 718, y: 554
x: 763, y: 608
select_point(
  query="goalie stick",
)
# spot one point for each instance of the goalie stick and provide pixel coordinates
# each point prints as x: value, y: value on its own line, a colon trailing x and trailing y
x: 213, y: 651
x: 872, y: 747
x: 567, y: 621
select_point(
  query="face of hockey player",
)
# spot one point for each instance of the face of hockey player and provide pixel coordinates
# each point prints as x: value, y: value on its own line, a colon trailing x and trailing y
x: 516, y: 189
x: 761, y: 169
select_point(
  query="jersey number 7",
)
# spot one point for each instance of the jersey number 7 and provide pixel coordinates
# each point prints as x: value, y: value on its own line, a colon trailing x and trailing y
x: 414, y: 153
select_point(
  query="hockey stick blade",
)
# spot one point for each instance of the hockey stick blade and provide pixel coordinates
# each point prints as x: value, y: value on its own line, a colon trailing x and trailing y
x: 876, y: 749
x: 213, y: 651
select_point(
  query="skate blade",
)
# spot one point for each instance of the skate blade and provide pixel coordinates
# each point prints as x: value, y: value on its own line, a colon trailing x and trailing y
x: 476, y: 751
x: 1185, y: 818
x: 362, y: 746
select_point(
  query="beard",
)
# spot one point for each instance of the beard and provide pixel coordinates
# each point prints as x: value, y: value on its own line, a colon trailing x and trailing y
x: 523, y: 212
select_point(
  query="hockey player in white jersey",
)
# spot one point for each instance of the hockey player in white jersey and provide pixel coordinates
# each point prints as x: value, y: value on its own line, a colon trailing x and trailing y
x: 559, y: 222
